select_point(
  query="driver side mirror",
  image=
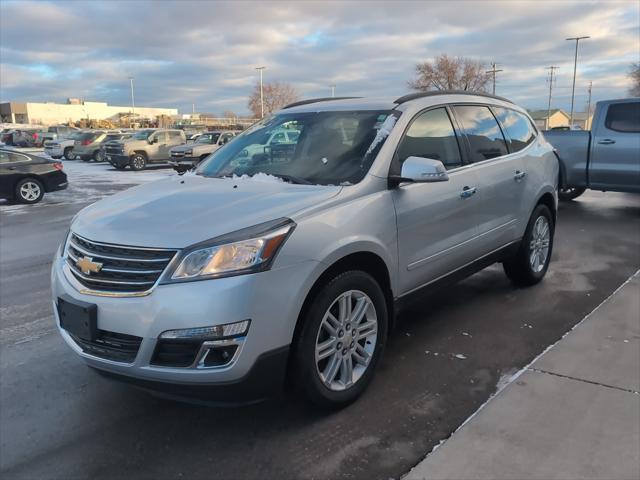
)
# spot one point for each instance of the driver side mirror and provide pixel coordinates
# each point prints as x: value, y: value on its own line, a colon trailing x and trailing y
x: 153, y: 140
x: 421, y: 170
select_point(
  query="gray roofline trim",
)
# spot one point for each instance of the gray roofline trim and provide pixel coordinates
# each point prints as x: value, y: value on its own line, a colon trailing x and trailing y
x: 434, y: 93
x: 316, y: 100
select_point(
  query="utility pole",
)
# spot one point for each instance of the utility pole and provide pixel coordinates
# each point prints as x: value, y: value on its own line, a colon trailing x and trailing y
x: 493, y: 71
x: 551, y: 70
x: 133, y: 104
x: 333, y: 91
x: 260, y: 69
x: 575, y: 66
x: 587, y: 125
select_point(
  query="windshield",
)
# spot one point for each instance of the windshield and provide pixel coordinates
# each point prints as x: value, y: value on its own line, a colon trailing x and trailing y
x: 208, y: 138
x: 142, y: 134
x: 327, y: 148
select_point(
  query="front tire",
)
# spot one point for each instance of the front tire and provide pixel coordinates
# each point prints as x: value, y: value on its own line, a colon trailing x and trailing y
x: 570, y: 193
x: 29, y: 190
x: 343, y: 336
x: 138, y: 162
x: 69, y: 154
x: 529, y: 265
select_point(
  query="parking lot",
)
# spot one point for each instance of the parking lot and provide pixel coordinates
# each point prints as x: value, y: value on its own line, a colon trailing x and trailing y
x: 447, y: 356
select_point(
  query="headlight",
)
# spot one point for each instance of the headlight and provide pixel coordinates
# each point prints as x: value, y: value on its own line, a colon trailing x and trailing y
x: 246, y: 251
x: 188, y: 152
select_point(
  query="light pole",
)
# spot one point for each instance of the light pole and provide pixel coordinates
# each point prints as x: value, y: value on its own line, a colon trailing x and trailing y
x: 551, y: 70
x: 333, y: 91
x: 493, y: 71
x: 260, y: 69
x: 133, y: 105
x: 575, y: 66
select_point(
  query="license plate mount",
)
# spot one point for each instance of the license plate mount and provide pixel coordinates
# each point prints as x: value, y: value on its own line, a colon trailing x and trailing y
x: 78, y: 318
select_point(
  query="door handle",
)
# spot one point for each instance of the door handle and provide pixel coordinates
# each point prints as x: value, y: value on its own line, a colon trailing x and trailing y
x: 519, y: 175
x: 11, y: 168
x: 607, y: 141
x: 468, y: 191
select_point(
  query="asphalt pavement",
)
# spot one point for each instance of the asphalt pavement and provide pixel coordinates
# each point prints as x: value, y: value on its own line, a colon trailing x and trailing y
x: 448, y: 355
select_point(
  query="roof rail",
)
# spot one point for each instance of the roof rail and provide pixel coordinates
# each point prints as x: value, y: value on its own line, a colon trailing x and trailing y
x: 315, y: 100
x: 434, y: 93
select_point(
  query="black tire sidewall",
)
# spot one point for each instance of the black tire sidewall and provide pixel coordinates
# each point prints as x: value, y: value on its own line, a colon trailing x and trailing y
x: 540, y: 210
x: 306, y: 375
x: 132, y: 162
x: 19, y: 198
x: 68, y: 153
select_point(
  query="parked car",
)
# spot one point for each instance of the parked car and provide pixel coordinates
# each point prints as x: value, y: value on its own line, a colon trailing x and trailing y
x: 59, y: 131
x: 112, y: 138
x: 280, y: 137
x: 144, y: 147
x: 6, y: 136
x: 185, y: 157
x: 28, y: 138
x: 608, y: 157
x: 87, y: 145
x: 220, y: 285
x: 25, y: 178
x: 63, y: 147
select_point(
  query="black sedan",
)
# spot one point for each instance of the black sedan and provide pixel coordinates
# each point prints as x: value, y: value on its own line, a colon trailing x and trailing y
x: 25, y: 178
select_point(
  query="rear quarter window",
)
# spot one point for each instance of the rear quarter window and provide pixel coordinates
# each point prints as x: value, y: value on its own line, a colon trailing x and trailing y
x: 482, y: 132
x: 518, y: 129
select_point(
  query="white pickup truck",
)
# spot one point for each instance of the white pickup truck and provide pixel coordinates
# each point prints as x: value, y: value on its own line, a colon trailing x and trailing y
x: 63, y: 146
x: 607, y: 158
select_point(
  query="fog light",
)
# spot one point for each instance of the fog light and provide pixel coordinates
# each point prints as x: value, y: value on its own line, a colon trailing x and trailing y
x: 216, y: 332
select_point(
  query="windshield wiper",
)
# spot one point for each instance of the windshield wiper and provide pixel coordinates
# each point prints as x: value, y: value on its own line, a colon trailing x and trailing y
x: 292, y: 179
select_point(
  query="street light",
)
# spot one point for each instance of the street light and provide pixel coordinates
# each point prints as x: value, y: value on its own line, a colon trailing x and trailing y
x: 575, y: 65
x: 260, y: 69
x: 133, y: 105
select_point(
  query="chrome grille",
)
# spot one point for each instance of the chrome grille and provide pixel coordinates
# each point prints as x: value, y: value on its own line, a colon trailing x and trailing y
x: 123, y: 269
x: 113, y: 148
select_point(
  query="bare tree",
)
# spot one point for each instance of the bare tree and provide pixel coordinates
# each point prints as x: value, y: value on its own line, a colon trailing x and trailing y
x: 634, y: 74
x: 276, y: 95
x: 450, y: 73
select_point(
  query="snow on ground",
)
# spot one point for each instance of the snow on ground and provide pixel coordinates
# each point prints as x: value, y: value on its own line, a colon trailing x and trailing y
x: 89, y: 182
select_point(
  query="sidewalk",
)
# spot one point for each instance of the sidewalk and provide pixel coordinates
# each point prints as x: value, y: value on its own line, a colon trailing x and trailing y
x: 574, y: 413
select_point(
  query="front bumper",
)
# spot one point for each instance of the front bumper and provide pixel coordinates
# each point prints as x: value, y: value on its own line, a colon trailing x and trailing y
x: 118, y: 160
x: 271, y: 300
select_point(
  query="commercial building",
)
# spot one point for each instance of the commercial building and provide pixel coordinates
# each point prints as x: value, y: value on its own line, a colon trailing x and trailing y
x: 73, y: 111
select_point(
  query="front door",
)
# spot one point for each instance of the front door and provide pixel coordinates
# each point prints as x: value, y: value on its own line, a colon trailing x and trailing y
x: 436, y: 221
x: 615, y: 161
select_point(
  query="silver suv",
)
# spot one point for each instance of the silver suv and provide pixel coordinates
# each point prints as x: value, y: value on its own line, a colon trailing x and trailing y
x: 185, y: 157
x: 292, y: 262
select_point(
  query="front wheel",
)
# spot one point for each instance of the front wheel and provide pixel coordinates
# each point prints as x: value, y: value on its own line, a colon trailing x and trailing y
x: 529, y: 265
x: 69, y: 153
x: 137, y: 162
x: 342, y: 338
x: 570, y: 193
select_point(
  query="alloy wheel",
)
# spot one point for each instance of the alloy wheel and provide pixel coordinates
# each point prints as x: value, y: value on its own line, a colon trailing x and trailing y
x: 539, y: 244
x: 30, y: 191
x: 346, y: 340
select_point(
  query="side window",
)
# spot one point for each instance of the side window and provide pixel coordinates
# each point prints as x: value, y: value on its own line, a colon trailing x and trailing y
x: 517, y: 127
x: 226, y: 137
x: 161, y: 137
x: 623, y: 117
x: 10, y: 157
x: 278, y: 138
x: 482, y: 131
x: 174, y: 137
x: 431, y: 135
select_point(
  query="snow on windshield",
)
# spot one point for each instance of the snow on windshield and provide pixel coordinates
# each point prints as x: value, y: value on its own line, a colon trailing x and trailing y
x: 383, y: 132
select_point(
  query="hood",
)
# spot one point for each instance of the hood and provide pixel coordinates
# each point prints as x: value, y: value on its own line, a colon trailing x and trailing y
x: 182, y: 210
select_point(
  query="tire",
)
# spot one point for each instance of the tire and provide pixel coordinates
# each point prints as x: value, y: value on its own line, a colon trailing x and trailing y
x: 529, y: 265
x: 29, y: 190
x: 138, y: 161
x: 325, y: 381
x: 57, y: 157
x: 69, y: 154
x: 98, y: 156
x: 570, y: 193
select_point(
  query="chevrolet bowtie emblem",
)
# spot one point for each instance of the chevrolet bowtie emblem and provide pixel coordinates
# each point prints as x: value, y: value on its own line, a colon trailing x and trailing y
x: 88, y: 266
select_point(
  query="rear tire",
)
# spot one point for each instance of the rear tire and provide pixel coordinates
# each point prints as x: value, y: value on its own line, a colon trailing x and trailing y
x: 69, y: 154
x: 138, y: 161
x: 529, y: 265
x: 335, y: 354
x: 97, y: 156
x: 570, y: 193
x: 29, y: 190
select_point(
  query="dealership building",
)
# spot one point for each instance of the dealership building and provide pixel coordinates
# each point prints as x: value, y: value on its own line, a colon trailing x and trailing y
x: 73, y: 111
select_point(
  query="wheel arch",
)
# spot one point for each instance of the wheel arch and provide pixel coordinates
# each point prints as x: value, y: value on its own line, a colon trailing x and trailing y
x: 549, y: 200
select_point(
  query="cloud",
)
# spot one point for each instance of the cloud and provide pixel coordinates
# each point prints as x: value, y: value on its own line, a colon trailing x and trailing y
x: 204, y: 53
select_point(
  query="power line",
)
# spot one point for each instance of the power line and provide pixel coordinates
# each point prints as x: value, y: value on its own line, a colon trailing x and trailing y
x: 575, y: 66
x: 493, y: 71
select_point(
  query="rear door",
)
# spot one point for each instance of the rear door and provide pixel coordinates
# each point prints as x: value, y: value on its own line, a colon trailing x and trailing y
x: 615, y: 161
x: 436, y: 221
x: 161, y: 150
x: 500, y: 177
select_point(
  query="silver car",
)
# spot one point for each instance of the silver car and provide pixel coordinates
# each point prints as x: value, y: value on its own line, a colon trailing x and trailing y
x: 291, y: 263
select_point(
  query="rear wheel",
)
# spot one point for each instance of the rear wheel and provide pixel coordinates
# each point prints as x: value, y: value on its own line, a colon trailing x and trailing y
x: 29, y: 190
x: 138, y: 161
x: 69, y: 154
x: 98, y: 156
x: 570, y: 193
x: 341, y: 340
x: 529, y: 265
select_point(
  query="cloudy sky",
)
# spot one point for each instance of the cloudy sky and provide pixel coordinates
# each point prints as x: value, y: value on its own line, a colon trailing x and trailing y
x: 204, y: 53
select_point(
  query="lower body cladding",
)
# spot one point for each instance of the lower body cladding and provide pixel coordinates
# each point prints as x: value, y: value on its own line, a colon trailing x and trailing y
x: 117, y: 160
x: 172, y: 342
